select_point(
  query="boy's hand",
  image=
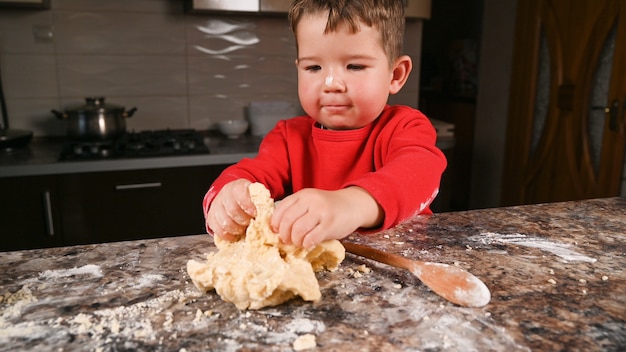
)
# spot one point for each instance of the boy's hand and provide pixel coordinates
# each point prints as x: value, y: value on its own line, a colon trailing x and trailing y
x: 231, y: 210
x: 311, y: 216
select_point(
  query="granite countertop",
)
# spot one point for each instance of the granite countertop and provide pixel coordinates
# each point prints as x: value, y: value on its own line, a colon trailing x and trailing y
x: 555, y: 271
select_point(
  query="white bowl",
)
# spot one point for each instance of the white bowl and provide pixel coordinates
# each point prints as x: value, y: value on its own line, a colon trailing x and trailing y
x: 233, y: 128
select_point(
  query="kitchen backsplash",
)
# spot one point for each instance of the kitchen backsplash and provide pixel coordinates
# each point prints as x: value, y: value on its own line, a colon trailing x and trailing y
x: 180, y: 70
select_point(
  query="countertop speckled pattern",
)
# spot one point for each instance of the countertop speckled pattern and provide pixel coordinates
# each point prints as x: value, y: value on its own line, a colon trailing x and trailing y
x: 555, y: 271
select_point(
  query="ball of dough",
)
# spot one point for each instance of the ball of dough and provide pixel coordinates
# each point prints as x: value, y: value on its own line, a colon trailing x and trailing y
x: 258, y: 270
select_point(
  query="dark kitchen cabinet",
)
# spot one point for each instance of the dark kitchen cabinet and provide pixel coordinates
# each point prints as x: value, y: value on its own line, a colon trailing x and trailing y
x: 128, y: 205
x: 460, y: 111
x: 30, y: 213
x: 96, y: 207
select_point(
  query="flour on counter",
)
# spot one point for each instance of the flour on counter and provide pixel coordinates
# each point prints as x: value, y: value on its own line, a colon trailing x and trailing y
x: 559, y: 249
x: 135, y: 321
x: 90, y: 269
x: 148, y: 280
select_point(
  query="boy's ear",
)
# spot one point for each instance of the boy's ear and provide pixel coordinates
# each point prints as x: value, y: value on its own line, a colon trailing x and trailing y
x: 401, y: 70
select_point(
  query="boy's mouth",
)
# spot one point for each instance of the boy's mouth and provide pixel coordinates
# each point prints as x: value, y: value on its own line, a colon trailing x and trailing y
x: 335, y: 107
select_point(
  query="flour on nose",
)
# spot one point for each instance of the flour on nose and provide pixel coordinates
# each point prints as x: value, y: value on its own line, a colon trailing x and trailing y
x: 329, y: 80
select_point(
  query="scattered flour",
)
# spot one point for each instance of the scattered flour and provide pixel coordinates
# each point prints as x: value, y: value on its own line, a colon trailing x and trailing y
x: 559, y: 249
x: 90, y: 269
x: 103, y: 326
x: 304, y: 325
x: 148, y: 280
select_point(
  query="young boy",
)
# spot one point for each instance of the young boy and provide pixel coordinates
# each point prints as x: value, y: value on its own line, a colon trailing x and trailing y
x: 353, y: 162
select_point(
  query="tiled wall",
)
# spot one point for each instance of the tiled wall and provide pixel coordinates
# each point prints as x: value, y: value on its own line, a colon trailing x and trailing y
x: 180, y: 70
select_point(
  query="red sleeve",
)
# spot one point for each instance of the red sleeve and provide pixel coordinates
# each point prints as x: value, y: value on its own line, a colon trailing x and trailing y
x: 408, y: 166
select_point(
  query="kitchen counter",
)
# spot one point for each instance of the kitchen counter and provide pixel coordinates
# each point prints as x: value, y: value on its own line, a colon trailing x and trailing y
x: 555, y: 271
x: 41, y: 157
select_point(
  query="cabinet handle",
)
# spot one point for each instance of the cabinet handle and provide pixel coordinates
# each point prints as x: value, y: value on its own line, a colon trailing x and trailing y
x: 47, y: 207
x: 138, y: 186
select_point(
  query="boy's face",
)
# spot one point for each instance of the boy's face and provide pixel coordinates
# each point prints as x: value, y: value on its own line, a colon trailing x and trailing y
x: 344, y: 78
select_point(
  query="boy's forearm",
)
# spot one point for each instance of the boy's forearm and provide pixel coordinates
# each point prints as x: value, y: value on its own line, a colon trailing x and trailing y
x: 365, y: 207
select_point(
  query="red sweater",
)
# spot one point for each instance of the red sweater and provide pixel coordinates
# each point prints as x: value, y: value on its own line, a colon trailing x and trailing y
x: 394, y: 158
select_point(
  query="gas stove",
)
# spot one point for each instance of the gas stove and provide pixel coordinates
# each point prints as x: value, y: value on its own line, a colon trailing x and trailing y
x: 137, y: 145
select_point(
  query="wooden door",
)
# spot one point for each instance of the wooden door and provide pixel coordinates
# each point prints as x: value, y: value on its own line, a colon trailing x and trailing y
x: 565, y: 129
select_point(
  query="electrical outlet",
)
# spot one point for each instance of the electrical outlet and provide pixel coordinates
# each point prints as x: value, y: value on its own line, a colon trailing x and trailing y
x: 43, y: 33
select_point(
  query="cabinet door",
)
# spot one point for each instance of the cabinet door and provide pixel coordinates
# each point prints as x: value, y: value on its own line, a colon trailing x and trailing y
x: 29, y: 213
x: 129, y: 205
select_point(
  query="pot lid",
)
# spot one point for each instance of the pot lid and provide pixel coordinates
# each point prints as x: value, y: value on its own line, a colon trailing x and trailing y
x: 92, y: 104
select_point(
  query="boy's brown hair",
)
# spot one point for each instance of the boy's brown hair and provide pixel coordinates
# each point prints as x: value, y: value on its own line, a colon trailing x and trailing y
x: 385, y: 15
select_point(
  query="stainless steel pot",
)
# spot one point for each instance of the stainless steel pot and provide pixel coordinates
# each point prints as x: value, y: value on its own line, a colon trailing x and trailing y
x: 95, y: 120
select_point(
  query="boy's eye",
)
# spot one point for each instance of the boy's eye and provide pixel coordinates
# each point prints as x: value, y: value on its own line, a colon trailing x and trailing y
x: 313, y: 68
x: 355, y: 67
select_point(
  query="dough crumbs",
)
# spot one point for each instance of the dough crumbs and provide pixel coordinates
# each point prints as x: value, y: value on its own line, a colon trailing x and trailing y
x: 11, y: 305
x: 364, y: 269
x: 258, y: 270
x: 304, y: 342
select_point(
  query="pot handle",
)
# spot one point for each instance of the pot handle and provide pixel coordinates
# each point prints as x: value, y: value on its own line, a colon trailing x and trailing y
x: 59, y: 114
x: 130, y: 112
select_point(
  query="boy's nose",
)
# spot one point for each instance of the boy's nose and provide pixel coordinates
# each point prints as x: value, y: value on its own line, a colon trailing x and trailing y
x: 332, y: 83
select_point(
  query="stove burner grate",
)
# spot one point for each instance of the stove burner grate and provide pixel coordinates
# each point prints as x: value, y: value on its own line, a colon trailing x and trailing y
x: 138, y: 145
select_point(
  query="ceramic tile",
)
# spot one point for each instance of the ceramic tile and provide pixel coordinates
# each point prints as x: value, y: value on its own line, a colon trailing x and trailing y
x: 219, y: 35
x: 34, y: 114
x: 177, y: 69
x: 205, y: 111
x: 154, y: 113
x: 242, y: 75
x: 121, y: 75
x: 17, y: 32
x: 114, y: 33
x: 29, y: 76
x: 211, y: 76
